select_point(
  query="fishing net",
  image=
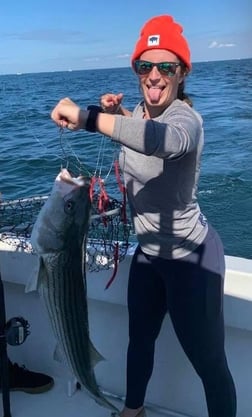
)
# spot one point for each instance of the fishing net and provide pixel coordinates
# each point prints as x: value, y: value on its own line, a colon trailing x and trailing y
x: 109, y: 230
x: 108, y: 237
x: 16, y: 221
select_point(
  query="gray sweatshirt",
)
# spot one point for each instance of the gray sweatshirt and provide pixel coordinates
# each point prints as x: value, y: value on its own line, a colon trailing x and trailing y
x: 160, y: 160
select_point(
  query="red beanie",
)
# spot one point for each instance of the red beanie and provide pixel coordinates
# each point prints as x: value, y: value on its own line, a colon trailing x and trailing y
x: 162, y: 32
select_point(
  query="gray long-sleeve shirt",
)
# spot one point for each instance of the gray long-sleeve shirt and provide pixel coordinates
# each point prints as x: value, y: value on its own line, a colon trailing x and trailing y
x: 160, y: 159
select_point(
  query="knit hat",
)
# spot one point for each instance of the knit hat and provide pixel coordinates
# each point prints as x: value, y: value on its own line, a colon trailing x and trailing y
x: 162, y: 32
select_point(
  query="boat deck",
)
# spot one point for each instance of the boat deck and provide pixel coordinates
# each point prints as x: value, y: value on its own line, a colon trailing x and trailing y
x: 57, y: 403
x: 174, y: 384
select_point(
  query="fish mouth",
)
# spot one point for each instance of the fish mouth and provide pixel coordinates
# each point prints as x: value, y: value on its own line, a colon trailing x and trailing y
x: 66, y: 177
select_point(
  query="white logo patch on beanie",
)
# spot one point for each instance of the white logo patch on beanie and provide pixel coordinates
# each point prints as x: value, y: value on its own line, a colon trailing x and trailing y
x: 153, y: 40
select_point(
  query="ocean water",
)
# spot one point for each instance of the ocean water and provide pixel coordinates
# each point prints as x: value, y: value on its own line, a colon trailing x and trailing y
x: 33, y: 149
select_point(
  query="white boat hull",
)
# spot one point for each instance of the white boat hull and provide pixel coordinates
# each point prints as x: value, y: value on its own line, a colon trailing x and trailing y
x: 174, y: 385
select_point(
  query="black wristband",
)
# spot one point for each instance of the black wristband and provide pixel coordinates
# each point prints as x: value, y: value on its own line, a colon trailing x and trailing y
x: 92, y: 117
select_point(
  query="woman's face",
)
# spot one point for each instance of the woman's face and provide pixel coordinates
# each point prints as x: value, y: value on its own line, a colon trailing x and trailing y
x: 159, y: 87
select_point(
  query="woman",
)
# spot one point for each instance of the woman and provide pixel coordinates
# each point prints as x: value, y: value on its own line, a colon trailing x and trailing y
x: 179, y: 265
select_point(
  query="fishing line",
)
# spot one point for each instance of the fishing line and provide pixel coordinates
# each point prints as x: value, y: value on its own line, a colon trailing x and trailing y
x: 67, y: 151
x: 61, y: 146
x: 64, y: 157
x: 34, y: 136
x: 77, y: 163
x: 101, y: 171
x: 100, y: 159
x: 46, y: 148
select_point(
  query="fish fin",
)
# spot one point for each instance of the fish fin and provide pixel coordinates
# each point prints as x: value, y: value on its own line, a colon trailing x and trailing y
x: 58, y: 354
x: 96, y: 357
x: 36, y: 277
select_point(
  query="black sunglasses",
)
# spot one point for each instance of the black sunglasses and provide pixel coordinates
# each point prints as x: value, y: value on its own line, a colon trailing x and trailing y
x: 165, y: 68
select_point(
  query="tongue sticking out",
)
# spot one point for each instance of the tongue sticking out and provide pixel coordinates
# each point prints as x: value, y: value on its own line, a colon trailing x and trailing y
x: 154, y: 94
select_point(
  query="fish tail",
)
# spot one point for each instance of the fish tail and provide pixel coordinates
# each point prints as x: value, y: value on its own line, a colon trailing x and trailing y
x: 101, y: 400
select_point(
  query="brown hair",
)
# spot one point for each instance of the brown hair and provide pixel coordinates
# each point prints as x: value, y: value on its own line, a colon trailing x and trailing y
x: 182, y: 95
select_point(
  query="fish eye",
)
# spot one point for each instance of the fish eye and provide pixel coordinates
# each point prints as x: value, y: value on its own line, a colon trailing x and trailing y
x: 69, y: 206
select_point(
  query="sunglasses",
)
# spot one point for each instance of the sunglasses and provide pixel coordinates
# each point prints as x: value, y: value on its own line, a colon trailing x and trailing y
x: 165, y: 68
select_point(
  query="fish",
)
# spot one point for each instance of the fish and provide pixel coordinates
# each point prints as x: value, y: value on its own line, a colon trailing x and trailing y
x: 59, y: 238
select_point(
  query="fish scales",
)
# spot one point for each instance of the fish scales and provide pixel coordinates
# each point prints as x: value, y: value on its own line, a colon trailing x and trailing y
x: 59, y: 237
x: 68, y: 311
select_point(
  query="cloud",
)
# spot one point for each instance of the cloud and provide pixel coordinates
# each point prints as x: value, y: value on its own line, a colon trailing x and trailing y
x: 122, y: 56
x: 215, y: 44
x: 91, y: 59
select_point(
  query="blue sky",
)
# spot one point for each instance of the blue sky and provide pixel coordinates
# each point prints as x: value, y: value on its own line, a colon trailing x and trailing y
x: 56, y: 35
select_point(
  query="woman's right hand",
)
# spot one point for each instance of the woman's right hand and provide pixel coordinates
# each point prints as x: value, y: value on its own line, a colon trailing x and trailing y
x: 68, y: 114
x: 111, y: 103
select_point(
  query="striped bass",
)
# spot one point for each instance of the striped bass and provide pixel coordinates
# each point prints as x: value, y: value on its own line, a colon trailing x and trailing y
x: 59, y: 237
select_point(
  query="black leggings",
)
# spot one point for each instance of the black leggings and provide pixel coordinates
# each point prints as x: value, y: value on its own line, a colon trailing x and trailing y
x: 191, y: 290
